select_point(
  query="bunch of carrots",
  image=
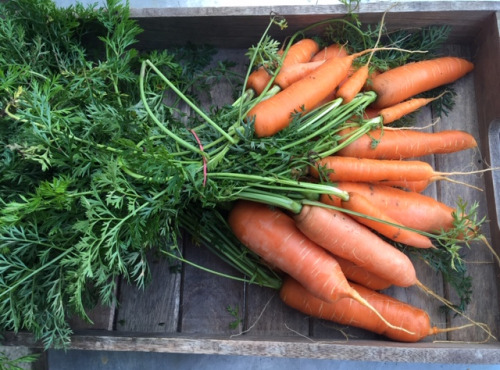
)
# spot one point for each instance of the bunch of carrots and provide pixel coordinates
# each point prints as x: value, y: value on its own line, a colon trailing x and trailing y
x: 323, y: 188
x: 337, y: 254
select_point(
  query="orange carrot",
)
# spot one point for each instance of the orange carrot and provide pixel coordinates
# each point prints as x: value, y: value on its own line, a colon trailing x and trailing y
x: 399, y: 110
x: 274, y: 114
x: 405, y: 143
x: 408, y: 80
x: 382, y: 223
x: 272, y: 235
x: 370, y: 170
x: 343, y: 236
x: 292, y: 73
x: 354, y: 84
x: 416, y: 186
x: 258, y: 80
x: 413, y: 210
x: 300, y: 52
x: 330, y: 51
x: 359, y: 275
x: 348, y: 312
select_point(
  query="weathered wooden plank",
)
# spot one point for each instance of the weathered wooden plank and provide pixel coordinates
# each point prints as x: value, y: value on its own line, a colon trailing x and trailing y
x: 268, y: 317
x: 154, y: 309
x: 359, y: 350
x: 480, y: 263
x: 487, y: 82
x: 207, y: 300
x: 175, y: 26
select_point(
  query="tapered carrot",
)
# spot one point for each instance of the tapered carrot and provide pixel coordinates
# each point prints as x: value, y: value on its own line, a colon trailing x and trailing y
x: 272, y: 235
x: 394, y: 112
x: 369, y: 170
x: 359, y: 275
x: 354, y: 84
x: 408, y: 80
x: 292, y: 73
x: 357, y: 81
x: 413, y: 210
x: 382, y: 223
x: 342, y: 236
x: 348, y: 312
x: 330, y: 51
x: 405, y: 143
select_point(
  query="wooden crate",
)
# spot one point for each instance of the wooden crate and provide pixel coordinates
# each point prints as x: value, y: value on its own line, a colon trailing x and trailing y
x: 186, y: 311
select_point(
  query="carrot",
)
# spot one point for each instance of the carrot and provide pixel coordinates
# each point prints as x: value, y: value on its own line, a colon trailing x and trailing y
x: 330, y: 51
x: 399, y: 110
x: 413, y: 210
x: 258, y: 80
x: 344, y: 237
x: 348, y: 312
x: 292, y: 73
x: 274, y: 114
x: 382, y: 223
x: 369, y: 170
x: 416, y: 186
x: 359, y: 275
x: 354, y: 84
x: 300, y: 52
x: 405, y: 143
x: 272, y: 235
x: 357, y: 81
x: 408, y: 80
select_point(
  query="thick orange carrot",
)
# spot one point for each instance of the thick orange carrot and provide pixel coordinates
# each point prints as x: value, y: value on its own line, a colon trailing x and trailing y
x: 408, y: 80
x: 292, y: 73
x: 274, y: 114
x: 413, y: 210
x: 348, y: 312
x: 382, y: 223
x: 405, y: 143
x: 370, y: 170
x: 272, y: 235
x: 357, y: 274
x: 330, y: 51
x: 342, y: 236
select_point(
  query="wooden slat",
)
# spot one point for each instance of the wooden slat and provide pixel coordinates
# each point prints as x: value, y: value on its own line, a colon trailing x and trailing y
x: 154, y: 309
x: 206, y: 298
x: 359, y: 350
x: 240, y: 27
x: 480, y: 262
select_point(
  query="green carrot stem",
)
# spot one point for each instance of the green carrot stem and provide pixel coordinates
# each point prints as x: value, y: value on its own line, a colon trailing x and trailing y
x: 327, y: 189
x: 189, y: 102
x: 177, y: 139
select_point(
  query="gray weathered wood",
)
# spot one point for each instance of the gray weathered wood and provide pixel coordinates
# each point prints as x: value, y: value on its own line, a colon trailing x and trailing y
x: 154, y: 309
